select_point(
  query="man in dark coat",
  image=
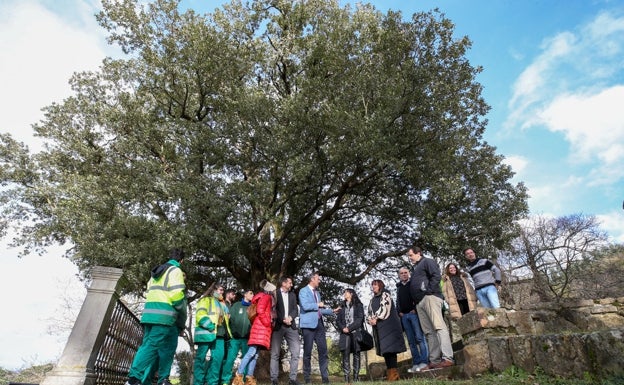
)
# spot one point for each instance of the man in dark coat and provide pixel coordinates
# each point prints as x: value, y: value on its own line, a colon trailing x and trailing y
x: 285, y: 328
x: 426, y: 293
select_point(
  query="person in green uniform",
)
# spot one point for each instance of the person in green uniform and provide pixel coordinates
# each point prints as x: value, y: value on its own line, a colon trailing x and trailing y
x: 240, y: 326
x: 229, y: 298
x: 211, y: 327
x: 163, y: 319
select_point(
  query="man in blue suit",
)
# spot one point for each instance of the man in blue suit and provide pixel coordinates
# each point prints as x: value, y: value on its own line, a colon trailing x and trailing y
x: 311, y: 324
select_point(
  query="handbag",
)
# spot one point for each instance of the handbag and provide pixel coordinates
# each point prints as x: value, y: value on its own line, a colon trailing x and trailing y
x: 365, y: 340
x: 252, y: 312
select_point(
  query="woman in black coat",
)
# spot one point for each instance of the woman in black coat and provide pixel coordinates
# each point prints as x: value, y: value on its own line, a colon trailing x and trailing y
x: 387, y: 329
x: 349, y: 322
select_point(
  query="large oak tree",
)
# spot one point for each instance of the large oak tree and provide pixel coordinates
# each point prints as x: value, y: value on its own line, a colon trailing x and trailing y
x: 276, y: 137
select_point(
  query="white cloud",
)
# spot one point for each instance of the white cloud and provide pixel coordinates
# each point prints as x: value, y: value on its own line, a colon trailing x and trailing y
x: 518, y: 163
x: 544, y: 198
x: 593, y: 124
x: 579, y: 62
x: 40, y: 52
x: 573, y: 181
x: 606, y: 175
x: 38, y: 284
x: 530, y: 85
x: 613, y: 223
x: 574, y: 88
x: 604, y: 41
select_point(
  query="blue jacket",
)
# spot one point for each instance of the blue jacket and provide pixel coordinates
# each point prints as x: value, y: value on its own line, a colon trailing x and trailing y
x: 309, y: 310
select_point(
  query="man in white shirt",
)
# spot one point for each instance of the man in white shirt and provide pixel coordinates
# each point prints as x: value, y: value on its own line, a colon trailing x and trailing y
x: 285, y: 328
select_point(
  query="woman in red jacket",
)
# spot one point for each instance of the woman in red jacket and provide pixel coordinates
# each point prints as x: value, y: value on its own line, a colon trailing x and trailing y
x: 260, y: 334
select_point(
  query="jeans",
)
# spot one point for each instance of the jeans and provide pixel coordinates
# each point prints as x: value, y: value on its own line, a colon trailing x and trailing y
x: 488, y: 296
x: 415, y: 338
x: 249, y: 361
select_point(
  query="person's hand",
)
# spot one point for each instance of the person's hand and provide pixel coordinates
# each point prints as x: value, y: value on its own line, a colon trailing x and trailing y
x: 321, y: 304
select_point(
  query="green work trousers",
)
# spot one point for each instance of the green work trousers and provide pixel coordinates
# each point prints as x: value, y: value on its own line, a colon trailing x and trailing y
x: 156, y: 351
x: 207, y: 372
x: 235, y: 345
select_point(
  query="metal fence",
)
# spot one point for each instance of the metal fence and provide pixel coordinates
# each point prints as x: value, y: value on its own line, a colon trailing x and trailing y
x: 122, y: 340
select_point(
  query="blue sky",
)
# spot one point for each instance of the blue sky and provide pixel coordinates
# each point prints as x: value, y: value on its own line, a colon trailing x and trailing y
x: 553, y: 73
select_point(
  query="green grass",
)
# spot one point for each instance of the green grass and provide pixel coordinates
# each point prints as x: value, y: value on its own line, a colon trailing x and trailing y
x: 511, y: 376
x: 507, y: 378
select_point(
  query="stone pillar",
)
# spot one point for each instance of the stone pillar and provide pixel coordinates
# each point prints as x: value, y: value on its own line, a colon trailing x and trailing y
x: 76, y: 365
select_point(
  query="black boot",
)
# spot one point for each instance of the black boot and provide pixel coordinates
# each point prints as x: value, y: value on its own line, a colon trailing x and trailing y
x: 346, y: 367
x: 356, y: 367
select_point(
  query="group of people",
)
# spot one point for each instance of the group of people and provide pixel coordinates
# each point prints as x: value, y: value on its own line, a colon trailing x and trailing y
x: 276, y: 310
x: 421, y: 295
x: 223, y: 327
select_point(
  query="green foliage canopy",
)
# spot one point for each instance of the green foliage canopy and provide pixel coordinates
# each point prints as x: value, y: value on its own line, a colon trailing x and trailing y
x: 268, y: 138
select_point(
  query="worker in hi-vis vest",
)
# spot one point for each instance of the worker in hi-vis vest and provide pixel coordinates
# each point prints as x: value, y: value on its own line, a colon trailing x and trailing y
x: 212, y: 328
x: 163, y: 319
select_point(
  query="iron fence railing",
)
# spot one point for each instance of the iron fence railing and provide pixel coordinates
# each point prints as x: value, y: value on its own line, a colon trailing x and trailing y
x: 123, y: 338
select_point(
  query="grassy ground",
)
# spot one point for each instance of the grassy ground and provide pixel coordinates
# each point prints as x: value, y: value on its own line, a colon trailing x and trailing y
x: 506, y: 379
x: 509, y: 377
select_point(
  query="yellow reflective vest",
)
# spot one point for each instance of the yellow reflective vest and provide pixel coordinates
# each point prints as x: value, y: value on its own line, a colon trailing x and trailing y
x: 209, y: 316
x: 166, y: 298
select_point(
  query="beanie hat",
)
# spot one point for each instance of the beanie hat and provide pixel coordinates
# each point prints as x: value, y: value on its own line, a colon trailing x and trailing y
x: 268, y: 286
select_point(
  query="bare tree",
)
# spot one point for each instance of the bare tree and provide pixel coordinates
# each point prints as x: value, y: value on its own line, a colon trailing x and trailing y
x: 61, y: 322
x: 602, y: 276
x: 549, y: 251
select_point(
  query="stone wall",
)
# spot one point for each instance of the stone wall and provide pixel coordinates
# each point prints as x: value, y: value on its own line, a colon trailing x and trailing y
x: 567, y: 339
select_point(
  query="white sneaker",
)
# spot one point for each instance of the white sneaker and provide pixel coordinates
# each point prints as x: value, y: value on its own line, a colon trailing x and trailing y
x: 417, y: 368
